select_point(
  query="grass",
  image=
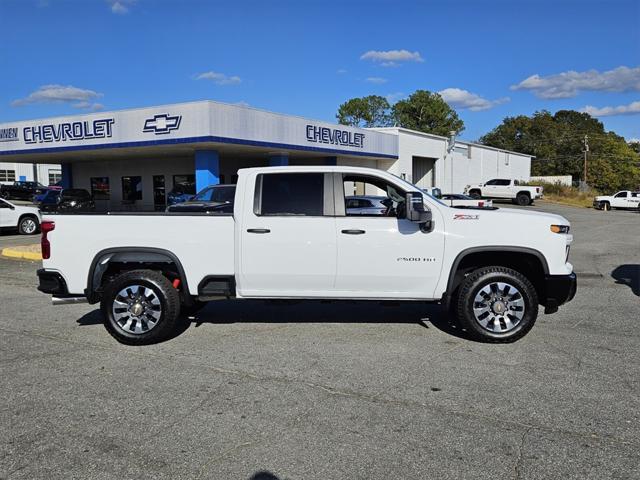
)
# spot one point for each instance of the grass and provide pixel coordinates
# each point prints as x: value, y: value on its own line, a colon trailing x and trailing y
x: 568, y: 195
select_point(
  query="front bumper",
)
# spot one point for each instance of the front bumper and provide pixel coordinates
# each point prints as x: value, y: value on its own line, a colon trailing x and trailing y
x: 559, y: 289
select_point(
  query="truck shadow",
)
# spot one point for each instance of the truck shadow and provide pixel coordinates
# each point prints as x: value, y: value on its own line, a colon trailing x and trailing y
x: 324, y: 311
x: 222, y: 312
x: 628, y: 275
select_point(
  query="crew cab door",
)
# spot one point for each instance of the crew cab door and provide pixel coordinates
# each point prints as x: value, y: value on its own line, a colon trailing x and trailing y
x: 383, y: 256
x: 287, y: 236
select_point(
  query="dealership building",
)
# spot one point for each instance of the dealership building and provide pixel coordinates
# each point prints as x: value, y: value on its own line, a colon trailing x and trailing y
x: 131, y: 159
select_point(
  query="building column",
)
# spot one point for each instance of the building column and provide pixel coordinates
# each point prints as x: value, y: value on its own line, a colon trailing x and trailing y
x: 67, y: 178
x: 278, y: 159
x: 333, y: 161
x: 207, y: 168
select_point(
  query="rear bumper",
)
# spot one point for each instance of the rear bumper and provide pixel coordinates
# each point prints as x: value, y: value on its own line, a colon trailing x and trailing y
x: 52, y: 283
x: 559, y: 289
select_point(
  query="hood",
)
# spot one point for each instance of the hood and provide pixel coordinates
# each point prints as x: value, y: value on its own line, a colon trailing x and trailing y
x: 552, y: 217
x: 602, y: 197
x: 193, y: 206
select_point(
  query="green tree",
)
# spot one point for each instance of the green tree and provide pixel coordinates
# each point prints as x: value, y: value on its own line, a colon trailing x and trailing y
x: 371, y: 111
x: 427, y: 112
x: 557, y: 141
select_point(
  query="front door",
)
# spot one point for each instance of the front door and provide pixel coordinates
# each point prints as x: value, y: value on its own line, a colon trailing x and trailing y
x: 383, y: 256
x: 287, y: 236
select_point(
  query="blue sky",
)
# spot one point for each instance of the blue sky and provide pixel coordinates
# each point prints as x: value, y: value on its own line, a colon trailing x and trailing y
x: 490, y: 59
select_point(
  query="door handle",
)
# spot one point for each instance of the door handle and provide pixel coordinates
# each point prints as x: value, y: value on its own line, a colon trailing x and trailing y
x: 353, y: 232
x: 258, y: 230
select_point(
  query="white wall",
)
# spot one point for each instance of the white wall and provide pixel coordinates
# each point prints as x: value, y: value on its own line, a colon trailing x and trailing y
x: 26, y: 170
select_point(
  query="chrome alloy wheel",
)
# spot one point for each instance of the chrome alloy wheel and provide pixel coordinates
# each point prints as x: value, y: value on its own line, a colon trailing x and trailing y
x: 136, y: 309
x: 498, y: 307
x: 29, y: 226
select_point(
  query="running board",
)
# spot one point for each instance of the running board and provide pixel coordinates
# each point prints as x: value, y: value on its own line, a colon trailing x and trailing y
x: 67, y: 300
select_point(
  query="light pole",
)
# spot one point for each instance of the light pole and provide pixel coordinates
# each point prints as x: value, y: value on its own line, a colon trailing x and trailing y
x: 451, y: 143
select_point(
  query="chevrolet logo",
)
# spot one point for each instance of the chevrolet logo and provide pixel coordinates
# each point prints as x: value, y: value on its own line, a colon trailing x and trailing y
x: 162, y: 124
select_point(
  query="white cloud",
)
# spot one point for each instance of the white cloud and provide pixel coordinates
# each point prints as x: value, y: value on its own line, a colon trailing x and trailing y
x: 633, y: 140
x: 394, y: 97
x: 377, y: 80
x: 120, y: 7
x: 219, y: 78
x: 632, y: 109
x: 391, y: 58
x: 569, y: 84
x: 463, y: 99
x: 79, y: 97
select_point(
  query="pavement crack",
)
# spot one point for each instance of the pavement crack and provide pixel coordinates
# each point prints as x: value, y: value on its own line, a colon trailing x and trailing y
x: 518, y: 464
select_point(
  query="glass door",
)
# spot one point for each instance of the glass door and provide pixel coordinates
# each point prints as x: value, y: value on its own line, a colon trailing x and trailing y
x: 159, y: 196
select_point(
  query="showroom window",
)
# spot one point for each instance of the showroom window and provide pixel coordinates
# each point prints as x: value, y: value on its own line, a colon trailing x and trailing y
x: 100, y: 189
x: 54, y: 176
x: 185, y: 184
x: 131, y: 189
x: 7, y: 175
x: 283, y: 194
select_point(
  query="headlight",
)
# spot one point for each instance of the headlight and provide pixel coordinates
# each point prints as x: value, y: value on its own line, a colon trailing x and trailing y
x: 560, y: 228
x: 73, y: 203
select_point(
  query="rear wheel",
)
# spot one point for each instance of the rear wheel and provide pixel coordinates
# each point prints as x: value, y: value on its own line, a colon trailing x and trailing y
x: 497, y: 304
x: 474, y: 194
x: 140, y: 307
x: 523, y: 199
x: 28, y: 225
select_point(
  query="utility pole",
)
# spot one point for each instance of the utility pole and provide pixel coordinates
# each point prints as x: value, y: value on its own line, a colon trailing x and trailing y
x: 586, y: 153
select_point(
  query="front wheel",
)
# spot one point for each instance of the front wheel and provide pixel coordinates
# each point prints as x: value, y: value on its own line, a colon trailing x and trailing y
x: 606, y: 206
x: 140, y: 307
x: 497, y: 304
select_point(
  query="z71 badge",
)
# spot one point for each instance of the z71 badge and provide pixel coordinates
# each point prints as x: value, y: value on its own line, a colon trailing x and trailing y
x: 460, y: 216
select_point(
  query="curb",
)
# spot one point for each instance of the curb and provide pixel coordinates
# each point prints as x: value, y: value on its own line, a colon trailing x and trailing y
x: 19, y: 254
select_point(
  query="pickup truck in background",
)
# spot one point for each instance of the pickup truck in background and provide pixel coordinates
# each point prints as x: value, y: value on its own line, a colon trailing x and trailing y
x: 624, y: 199
x: 504, y: 188
x: 21, y: 190
x: 290, y: 236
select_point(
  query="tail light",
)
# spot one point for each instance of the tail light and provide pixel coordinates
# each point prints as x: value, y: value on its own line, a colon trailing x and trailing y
x: 45, y: 228
x: 481, y: 204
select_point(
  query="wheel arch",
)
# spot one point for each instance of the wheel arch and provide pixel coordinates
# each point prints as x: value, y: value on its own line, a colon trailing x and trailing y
x: 524, y: 192
x: 523, y: 259
x: 138, y: 257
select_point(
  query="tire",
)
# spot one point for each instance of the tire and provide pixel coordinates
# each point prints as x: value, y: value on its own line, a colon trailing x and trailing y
x: 475, y: 194
x: 523, y: 199
x: 145, y: 322
x: 28, y: 225
x: 483, y: 298
x: 606, y: 206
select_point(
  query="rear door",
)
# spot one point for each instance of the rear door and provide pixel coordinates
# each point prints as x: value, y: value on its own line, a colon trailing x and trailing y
x: 6, y: 215
x: 287, y: 236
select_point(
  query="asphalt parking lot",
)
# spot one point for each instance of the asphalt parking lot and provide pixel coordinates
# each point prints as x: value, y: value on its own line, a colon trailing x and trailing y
x: 314, y: 390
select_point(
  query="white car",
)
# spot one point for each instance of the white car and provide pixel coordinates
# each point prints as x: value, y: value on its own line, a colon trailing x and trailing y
x: 25, y: 219
x: 291, y: 236
x: 624, y: 199
x: 460, y: 200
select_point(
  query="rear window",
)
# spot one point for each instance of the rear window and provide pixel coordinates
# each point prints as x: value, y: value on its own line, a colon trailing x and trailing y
x: 290, y: 194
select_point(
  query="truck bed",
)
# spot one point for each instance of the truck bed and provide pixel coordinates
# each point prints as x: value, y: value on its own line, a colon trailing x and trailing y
x: 204, y: 244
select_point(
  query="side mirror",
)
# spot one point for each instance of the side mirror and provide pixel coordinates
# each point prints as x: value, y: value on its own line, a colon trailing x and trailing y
x: 416, y: 212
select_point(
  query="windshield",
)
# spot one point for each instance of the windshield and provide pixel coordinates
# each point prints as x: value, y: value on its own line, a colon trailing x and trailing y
x: 216, y: 194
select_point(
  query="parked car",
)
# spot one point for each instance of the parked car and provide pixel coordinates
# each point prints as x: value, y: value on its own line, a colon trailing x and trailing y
x: 460, y: 200
x: 289, y: 238
x: 21, y: 190
x: 25, y: 219
x: 47, y: 201
x: 368, y: 205
x: 181, y: 192
x: 624, y: 199
x: 504, y: 188
x: 75, y: 200
x: 208, y: 199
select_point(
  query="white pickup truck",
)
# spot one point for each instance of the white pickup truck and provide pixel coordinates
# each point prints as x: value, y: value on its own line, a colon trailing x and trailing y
x: 290, y: 237
x: 624, y: 199
x: 504, y: 188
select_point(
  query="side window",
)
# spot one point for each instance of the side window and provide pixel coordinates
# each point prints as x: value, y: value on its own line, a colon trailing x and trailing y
x: 491, y: 182
x: 503, y: 182
x: 285, y: 194
x: 385, y: 194
x: 621, y: 195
